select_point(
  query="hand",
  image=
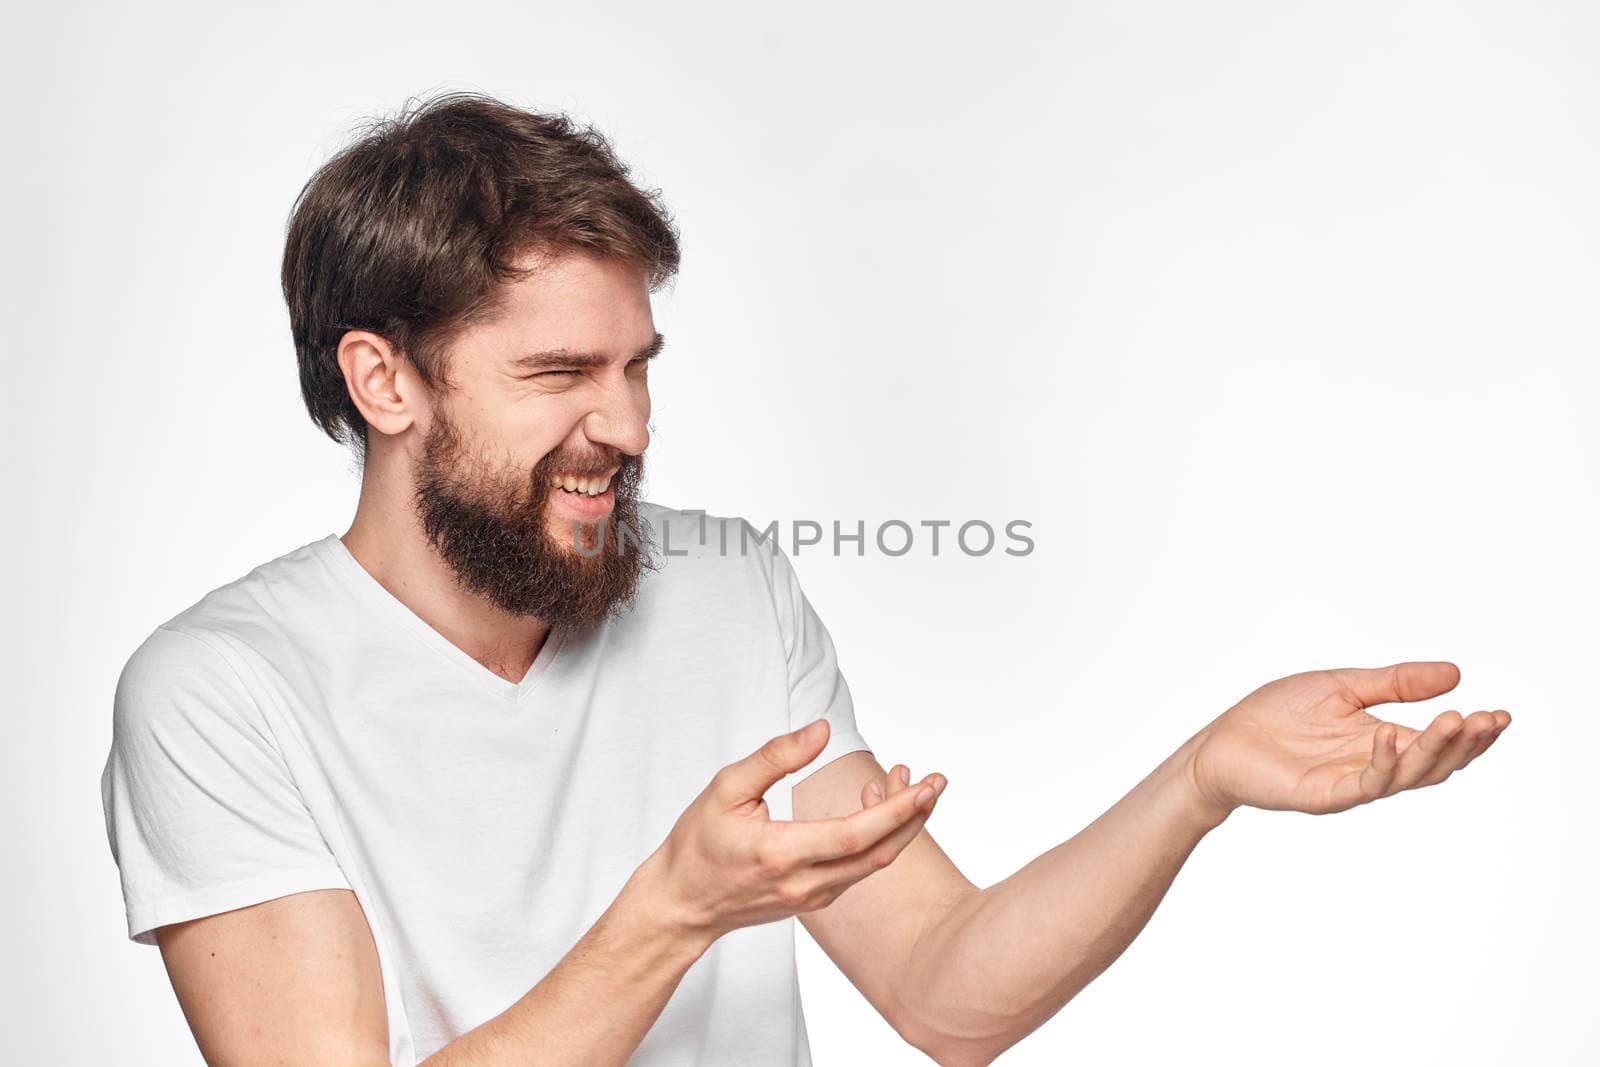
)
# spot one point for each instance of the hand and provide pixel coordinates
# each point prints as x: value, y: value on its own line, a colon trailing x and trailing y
x: 897, y: 780
x: 726, y: 863
x: 1306, y: 743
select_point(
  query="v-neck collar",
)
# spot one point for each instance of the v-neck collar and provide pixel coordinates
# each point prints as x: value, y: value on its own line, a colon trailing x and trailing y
x: 371, y: 592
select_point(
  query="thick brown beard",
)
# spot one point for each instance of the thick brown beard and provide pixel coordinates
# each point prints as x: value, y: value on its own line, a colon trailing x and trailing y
x: 496, y: 539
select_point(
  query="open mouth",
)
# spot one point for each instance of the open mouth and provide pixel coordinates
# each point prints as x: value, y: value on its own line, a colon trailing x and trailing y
x: 583, y: 485
x: 584, y: 497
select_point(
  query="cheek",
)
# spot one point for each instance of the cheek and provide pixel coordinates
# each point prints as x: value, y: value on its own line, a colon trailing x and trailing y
x: 543, y: 428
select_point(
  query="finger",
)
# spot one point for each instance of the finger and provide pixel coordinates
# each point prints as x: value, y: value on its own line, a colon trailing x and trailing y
x: 852, y: 869
x: 1377, y: 775
x: 749, y: 778
x: 819, y: 840
x: 1398, y: 682
x: 877, y: 791
x: 1419, y: 757
x: 1502, y: 719
x: 1474, y: 729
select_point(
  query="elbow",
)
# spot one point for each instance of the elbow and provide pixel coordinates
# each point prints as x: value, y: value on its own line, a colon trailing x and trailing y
x: 964, y: 1060
x: 961, y: 1054
x: 949, y: 1050
x: 972, y: 1040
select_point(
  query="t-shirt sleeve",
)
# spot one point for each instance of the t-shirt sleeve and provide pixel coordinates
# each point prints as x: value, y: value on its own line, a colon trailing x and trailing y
x: 817, y: 688
x: 202, y: 813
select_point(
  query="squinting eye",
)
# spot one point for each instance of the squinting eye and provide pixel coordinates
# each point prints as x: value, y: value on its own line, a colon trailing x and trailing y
x: 556, y: 374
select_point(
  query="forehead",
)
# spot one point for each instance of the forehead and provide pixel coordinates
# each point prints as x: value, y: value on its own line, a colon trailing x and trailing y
x: 574, y: 299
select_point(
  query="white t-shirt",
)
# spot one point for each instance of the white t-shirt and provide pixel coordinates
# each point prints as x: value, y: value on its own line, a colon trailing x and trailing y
x: 300, y: 728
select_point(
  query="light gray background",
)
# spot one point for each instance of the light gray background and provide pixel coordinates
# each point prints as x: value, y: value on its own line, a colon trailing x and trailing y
x: 1277, y: 320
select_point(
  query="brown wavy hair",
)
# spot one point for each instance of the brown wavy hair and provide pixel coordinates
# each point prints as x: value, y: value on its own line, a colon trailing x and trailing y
x: 411, y: 231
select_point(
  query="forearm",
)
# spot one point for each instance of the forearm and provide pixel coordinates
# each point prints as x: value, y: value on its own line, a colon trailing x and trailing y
x: 1007, y: 958
x: 597, y: 1004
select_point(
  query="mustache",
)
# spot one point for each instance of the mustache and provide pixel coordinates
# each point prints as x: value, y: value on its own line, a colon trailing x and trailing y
x: 568, y: 463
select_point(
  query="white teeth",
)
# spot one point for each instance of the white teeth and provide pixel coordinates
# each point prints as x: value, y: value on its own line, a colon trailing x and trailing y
x: 585, y: 486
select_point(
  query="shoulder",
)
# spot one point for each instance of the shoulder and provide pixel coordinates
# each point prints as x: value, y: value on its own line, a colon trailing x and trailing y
x: 171, y: 652
x: 179, y: 678
x: 196, y: 661
x: 700, y: 557
x: 729, y: 546
x: 255, y: 606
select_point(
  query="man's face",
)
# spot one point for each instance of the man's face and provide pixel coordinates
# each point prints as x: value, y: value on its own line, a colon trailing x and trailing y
x: 539, y: 448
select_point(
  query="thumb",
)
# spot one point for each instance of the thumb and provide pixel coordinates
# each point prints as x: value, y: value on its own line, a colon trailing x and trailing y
x: 1399, y: 682
x: 751, y: 777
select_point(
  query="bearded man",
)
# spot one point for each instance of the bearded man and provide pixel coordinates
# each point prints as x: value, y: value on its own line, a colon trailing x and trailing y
x: 490, y: 779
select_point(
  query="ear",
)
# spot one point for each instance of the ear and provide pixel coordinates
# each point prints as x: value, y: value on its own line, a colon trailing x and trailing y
x: 380, y: 381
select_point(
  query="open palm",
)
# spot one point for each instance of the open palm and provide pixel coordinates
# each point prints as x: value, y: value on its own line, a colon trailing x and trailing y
x: 1307, y: 743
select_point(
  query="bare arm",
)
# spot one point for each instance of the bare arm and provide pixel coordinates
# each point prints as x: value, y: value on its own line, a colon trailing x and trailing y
x: 297, y: 980
x: 962, y: 973
x: 600, y: 1000
x: 1007, y: 958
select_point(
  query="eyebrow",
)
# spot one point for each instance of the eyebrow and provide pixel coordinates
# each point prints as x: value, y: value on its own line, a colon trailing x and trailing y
x: 565, y: 358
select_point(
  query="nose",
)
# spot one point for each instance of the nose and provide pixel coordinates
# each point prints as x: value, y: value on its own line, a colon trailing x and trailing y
x: 620, y: 419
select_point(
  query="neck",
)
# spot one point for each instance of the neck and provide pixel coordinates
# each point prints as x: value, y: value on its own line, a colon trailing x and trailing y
x: 386, y: 538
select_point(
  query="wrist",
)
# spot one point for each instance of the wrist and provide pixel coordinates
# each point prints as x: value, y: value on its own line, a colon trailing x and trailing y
x: 1206, y: 807
x: 647, y: 899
